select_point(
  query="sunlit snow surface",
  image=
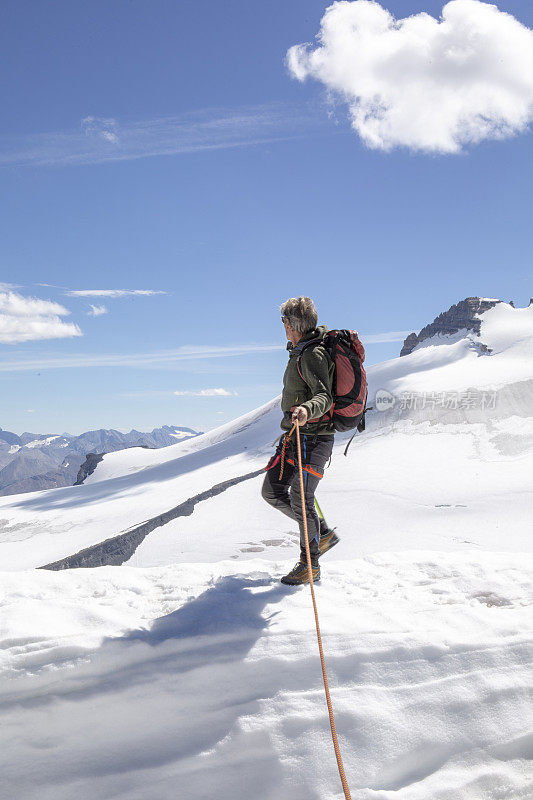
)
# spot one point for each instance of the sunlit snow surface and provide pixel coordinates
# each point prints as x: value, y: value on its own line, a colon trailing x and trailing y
x: 191, y: 672
x: 203, y: 681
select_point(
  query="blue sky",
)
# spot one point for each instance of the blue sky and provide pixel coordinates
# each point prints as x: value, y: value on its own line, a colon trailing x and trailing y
x: 164, y: 146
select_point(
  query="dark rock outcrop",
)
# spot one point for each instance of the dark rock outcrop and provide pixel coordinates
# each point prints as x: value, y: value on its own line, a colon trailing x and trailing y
x: 88, y: 467
x: 462, y: 315
x: 118, y: 549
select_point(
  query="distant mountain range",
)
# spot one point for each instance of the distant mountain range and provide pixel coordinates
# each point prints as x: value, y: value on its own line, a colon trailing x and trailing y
x: 34, y: 461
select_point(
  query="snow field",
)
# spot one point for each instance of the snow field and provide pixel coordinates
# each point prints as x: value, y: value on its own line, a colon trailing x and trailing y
x: 203, y: 680
x: 443, y: 487
x: 42, y: 527
x: 129, y: 487
x: 192, y: 673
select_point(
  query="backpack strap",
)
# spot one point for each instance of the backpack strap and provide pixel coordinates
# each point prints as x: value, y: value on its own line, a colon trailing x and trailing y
x: 300, y: 354
x: 360, y: 428
x: 329, y: 414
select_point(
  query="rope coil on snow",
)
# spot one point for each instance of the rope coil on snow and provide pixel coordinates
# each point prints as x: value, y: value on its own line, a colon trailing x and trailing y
x: 340, y: 765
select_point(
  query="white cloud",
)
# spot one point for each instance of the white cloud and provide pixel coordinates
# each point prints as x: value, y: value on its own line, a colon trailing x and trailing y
x: 111, y: 292
x: 96, y: 311
x: 105, y: 129
x: 105, y: 140
x: 24, y: 319
x: 426, y: 84
x: 206, y: 393
x: 30, y: 411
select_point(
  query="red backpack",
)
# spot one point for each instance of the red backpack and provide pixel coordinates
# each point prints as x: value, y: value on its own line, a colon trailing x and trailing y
x: 349, y: 380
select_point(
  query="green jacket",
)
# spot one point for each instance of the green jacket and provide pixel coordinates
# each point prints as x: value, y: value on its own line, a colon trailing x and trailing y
x: 315, y: 392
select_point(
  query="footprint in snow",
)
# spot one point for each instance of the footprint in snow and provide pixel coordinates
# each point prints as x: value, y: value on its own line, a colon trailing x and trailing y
x: 491, y: 599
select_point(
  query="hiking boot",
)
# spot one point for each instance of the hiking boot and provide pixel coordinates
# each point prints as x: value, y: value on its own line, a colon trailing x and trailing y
x: 327, y: 541
x: 299, y: 575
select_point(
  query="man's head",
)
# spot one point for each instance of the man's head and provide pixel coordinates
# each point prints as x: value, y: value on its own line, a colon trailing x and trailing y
x: 299, y: 317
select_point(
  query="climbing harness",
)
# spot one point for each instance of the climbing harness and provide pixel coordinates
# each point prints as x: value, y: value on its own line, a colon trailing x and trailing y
x: 340, y: 765
x: 283, y: 457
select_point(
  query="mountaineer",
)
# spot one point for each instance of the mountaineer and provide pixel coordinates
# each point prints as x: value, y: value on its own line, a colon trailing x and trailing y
x: 308, y: 396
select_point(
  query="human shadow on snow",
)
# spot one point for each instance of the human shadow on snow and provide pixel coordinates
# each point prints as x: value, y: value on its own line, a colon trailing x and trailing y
x: 187, y: 680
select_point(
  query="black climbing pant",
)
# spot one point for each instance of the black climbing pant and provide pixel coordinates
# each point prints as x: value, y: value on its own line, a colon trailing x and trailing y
x: 284, y: 493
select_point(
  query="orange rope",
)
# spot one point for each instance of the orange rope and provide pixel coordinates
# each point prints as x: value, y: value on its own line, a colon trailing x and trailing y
x: 340, y: 765
x: 286, y: 438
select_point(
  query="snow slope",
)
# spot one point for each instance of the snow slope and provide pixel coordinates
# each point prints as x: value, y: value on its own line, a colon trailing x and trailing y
x: 203, y: 681
x: 42, y: 527
x: 191, y: 672
x: 456, y: 363
x: 129, y: 487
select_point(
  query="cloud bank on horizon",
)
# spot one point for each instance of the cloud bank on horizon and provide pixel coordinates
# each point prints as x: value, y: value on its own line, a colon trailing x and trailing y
x: 425, y: 84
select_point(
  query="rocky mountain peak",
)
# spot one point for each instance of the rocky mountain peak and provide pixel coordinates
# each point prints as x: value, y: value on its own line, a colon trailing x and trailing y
x: 462, y: 315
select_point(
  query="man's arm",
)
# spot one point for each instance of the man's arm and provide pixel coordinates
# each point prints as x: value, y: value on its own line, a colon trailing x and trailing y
x: 314, y: 366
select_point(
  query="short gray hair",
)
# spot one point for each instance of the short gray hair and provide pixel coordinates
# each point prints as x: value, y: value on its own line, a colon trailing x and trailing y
x: 301, y: 313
